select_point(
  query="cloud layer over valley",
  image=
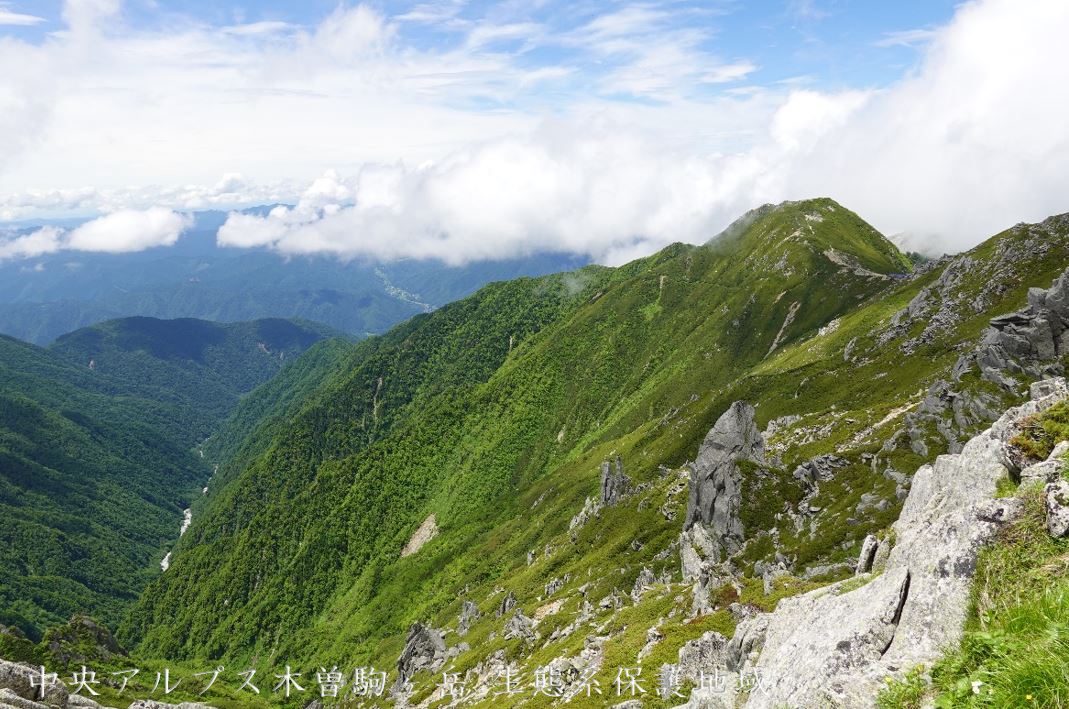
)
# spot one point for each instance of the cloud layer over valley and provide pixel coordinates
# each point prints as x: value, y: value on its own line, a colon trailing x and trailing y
x: 505, y: 141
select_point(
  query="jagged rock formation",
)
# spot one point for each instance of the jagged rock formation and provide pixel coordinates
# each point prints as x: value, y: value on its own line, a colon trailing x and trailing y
x: 645, y: 580
x: 520, y: 626
x: 507, y: 604
x: 867, y: 558
x: 82, y: 641
x: 1046, y: 471
x: 615, y: 485
x: 715, y: 481
x: 1029, y: 343
x: 907, y: 615
x: 424, y: 650
x: 469, y: 612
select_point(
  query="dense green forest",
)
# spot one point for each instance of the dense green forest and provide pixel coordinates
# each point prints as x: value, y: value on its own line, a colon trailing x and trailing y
x: 97, y: 452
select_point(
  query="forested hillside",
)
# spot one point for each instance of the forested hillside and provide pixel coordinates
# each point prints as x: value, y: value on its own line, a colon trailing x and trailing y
x: 197, y: 367
x: 457, y: 412
x: 485, y: 424
x: 97, y: 452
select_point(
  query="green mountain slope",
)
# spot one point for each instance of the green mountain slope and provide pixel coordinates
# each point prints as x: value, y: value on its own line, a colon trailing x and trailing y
x: 465, y: 412
x: 92, y: 488
x: 197, y: 367
x: 495, y: 414
x: 97, y: 462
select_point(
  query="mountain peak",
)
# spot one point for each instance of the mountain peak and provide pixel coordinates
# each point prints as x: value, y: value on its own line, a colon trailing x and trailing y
x: 821, y: 224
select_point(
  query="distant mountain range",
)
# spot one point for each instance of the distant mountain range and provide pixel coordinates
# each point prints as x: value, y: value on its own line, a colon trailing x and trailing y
x: 44, y: 297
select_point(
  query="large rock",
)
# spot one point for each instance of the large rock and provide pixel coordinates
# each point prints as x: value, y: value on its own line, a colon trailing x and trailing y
x: 1057, y: 500
x: 867, y: 557
x: 910, y: 613
x: 1030, y: 342
x: 424, y: 650
x: 615, y: 485
x: 715, y: 480
x: 506, y: 605
x: 705, y: 654
x: 16, y: 678
x: 469, y: 613
x: 520, y: 626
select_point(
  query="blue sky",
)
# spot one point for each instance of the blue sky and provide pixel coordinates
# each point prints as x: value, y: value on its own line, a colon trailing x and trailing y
x: 823, y: 43
x: 472, y: 130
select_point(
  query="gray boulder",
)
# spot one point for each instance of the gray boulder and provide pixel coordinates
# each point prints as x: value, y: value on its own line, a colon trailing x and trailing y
x: 867, y: 558
x: 424, y: 650
x: 819, y: 469
x: 506, y: 605
x: 715, y: 478
x: 469, y: 613
x: 16, y: 678
x: 1057, y: 501
x: 707, y: 653
x: 520, y: 626
x: 643, y: 583
x: 909, y: 614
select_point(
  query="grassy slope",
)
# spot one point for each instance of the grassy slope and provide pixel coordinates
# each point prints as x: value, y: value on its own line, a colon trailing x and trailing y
x: 298, y: 559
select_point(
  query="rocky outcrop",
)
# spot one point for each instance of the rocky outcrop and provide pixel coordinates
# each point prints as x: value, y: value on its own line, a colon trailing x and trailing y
x: 699, y: 655
x: 867, y: 557
x: 1046, y: 471
x: 1056, y: 495
x: 643, y: 583
x: 507, y: 604
x: 615, y: 485
x: 1026, y: 344
x: 520, y: 626
x: 82, y: 641
x: 469, y: 613
x: 715, y: 480
x: 18, y: 691
x: 911, y: 612
x: 16, y: 680
x: 424, y: 650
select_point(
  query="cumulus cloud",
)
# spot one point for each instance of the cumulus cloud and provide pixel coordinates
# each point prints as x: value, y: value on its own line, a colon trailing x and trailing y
x: 973, y: 141
x: 120, y: 232
x: 970, y: 141
x: 18, y: 19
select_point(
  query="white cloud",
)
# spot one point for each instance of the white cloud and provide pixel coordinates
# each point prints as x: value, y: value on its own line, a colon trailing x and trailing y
x: 129, y: 230
x: 907, y: 38
x: 38, y: 243
x: 17, y: 19
x: 972, y: 140
x: 120, y: 232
